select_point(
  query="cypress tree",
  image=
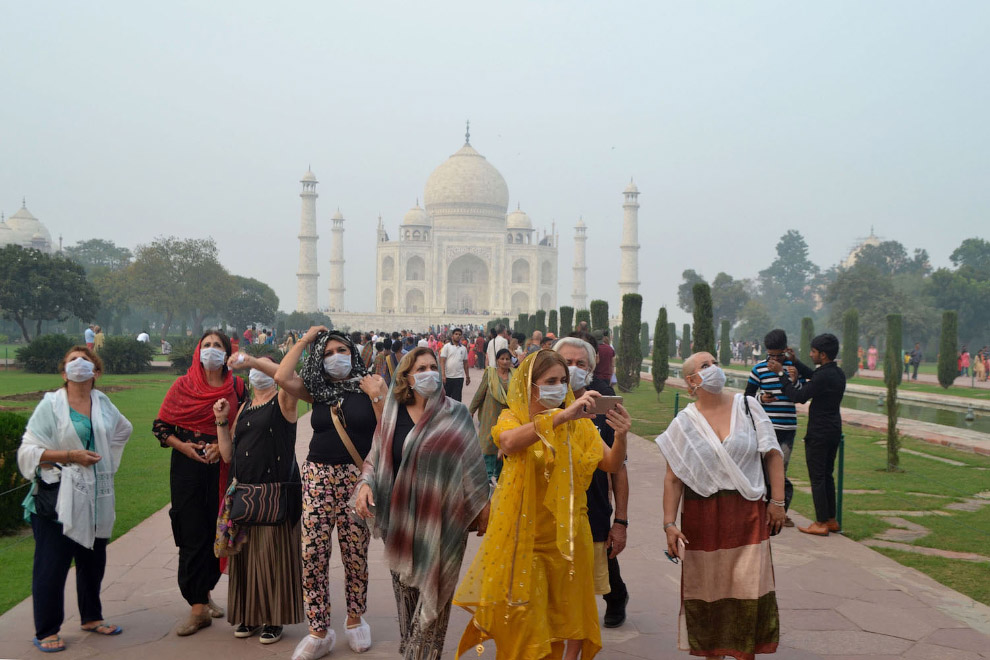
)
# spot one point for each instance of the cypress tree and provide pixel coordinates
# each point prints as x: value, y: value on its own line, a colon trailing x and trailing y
x: 850, y: 342
x: 661, y: 348
x: 724, y: 347
x: 704, y: 329
x: 582, y: 315
x: 948, y: 348
x: 552, y: 322
x: 541, y: 321
x: 521, y: 322
x: 599, y: 315
x: 566, y: 321
x: 644, y: 339
x: 616, y: 331
x: 686, y: 341
x: 807, y: 334
x: 630, y: 353
x: 893, y: 367
x: 531, y: 325
x: 671, y: 338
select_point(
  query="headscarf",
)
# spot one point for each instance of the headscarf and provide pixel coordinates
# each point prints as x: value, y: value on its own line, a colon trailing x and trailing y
x: 501, y: 575
x: 189, y: 402
x: 318, y: 383
x: 494, y: 382
x: 441, y: 487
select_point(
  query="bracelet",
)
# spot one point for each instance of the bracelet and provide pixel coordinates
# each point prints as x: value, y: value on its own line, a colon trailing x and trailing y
x: 620, y: 521
x: 221, y: 423
x: 666, y: 525
x: 68, y: 456
x: 780, y: 503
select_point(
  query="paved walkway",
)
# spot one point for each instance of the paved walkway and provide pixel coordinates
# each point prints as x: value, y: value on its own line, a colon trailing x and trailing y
x: 837, y: 598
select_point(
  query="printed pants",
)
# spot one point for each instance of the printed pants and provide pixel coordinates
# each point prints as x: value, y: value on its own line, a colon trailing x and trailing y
x: 326, y: 490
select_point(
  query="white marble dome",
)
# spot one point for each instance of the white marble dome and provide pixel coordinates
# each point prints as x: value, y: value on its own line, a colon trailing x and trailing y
x: 27, y: 231
x: 466, y: 179
x: 631, y: 188
x: 518, y: 220
x: 309, y: 177
x: 416, y: 216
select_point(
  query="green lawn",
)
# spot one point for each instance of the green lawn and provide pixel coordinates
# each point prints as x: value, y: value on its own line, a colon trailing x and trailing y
x: 925, y: 484
x: 142, y: 483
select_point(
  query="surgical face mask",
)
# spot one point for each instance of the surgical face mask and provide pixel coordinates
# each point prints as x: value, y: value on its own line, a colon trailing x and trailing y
x: 579, y: 377
x: 212, y: 358
x: 712, y: 378
x: 338, y: 365
x: 552, y: 396
x: 427, y: 382
x: 260, y: 380
x: 79, y: 370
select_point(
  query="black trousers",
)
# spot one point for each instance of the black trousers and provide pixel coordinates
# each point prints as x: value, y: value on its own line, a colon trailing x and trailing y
x: 618, y: 592
x: 453, y: 387
x: 786, y: 441
x: 53, y: 554
x: 819, y: 454
x: 195, y: 504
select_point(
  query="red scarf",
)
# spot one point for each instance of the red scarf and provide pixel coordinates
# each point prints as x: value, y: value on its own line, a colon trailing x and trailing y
x: 189, y: 402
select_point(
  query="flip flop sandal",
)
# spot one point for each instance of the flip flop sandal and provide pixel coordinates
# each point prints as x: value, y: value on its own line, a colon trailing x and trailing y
x: 57, y: 640
x: 104, y: 629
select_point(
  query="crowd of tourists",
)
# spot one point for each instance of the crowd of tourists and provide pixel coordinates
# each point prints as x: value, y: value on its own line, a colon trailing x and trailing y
x: 395, y: 455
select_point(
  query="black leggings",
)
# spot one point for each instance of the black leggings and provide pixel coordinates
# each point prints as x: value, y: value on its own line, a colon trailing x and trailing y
x: 195, y: 503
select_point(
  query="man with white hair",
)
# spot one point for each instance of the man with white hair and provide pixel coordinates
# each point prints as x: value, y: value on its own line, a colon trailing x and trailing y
x: 609, y: 535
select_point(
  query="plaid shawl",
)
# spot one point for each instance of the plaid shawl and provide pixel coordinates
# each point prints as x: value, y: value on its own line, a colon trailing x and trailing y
x: 440, y: 489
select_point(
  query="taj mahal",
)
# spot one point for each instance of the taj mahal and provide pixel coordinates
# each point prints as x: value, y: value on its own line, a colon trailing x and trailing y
x: 462, y: 257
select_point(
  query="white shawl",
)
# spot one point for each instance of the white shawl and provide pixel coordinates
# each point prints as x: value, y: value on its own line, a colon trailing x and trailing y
x: 85, y: 506
x: 706, y: 464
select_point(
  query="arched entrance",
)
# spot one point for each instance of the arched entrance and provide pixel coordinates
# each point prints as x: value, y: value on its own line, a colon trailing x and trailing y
x: 520, y: 303
x: 415, y: 301
x: 467, y: 285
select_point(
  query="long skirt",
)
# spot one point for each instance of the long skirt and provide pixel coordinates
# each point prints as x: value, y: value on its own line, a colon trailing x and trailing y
x: 728, y: 602
x: 265, y: 586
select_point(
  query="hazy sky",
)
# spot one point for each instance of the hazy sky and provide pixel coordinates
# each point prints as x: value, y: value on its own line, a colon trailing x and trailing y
x: 739, y: 121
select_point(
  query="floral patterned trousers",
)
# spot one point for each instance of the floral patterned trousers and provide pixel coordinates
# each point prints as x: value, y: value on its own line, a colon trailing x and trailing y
x: 326, y: 490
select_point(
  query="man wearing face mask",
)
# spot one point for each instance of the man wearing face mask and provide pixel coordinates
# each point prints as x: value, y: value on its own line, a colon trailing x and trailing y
x: 453, y: 365
x: 608, y: 534
x: 824, y: 388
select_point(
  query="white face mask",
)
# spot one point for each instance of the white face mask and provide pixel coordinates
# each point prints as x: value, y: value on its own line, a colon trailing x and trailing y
x: 260, y: 380
x: 212, y: 358
x: 712, y: 378
x: 337, y: 365
x: 427, y: 382
x: 579, y: 377
x: 79, y: 370
x: 552, y: 396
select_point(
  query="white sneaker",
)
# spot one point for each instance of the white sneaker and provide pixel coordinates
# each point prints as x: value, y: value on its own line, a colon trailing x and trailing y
x: 359, y: 637
x: 311, y: 647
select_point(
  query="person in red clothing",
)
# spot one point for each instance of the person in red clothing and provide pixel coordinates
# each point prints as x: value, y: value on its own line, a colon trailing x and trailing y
x: 249, y: 336
x: 606, y: 356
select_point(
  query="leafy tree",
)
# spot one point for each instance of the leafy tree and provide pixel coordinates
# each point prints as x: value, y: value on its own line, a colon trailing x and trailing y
x: 566, y: 320
x: 35, y: 286
x: 671, y: 338
x: 114, y: 290
x: 948, y: 348
x: 599, y: 315
x: 582, y: 316
x: 966, y: 289
x: 661, y: 351
x: 866, y: 288
x: 704, y: 330
x: 807, y: 334
x: 792, y: 271
x: 724, y: 345
x: 644, y: 338
x: 685, y: 292
x: 541, y: 321
x: 303, y: 321
x: 891, y: 258
x: 253, y: 302
x: 97, y: 255
x: 755, y: 321
x: 552, y: 322
x: 630, y: 351
x: 728, y: 298
x: 972, y: 257
x: 686, y: 341
x: 893, y: 367
x: 850, y: 342
x: 178, y: 277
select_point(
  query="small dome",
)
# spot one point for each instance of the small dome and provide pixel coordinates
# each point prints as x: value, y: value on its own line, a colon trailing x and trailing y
x: 416, y: 216
x: 518, y: 220
x: 580, y: 223
x: 631, y: 188
x: 338, y: 215
x: 309, y: 177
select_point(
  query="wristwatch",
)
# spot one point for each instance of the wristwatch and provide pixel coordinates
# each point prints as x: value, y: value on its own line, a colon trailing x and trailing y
x: 378, y: 398
x: 620, y: 521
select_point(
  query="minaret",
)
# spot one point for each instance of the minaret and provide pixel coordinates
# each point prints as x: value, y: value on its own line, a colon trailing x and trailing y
x: 579, y: 296
x: 307, y: 275
x: 629, y: 267
x: 337, y: 263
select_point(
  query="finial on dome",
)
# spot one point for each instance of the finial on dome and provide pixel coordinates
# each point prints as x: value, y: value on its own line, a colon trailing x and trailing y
x: 467, y: 133
x: 24, y: 203
x: 518, y: 207
x: 417, y: 202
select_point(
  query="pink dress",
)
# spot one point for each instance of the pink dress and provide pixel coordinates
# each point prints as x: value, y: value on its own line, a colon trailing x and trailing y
x: 871, y: 358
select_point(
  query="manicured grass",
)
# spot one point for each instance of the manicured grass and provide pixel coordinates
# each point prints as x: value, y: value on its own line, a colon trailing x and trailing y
x: 141, y: 484
x: 924, y: 484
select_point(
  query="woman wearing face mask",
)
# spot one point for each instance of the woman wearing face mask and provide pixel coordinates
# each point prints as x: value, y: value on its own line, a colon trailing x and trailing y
x: 186, y: 425
x: 335, y: 380
x: 717, y: 450
x: 531, y: 585
x: 489, y: 402
x: 425, y: 453
x: 71, y: 451
x: 265, y: 585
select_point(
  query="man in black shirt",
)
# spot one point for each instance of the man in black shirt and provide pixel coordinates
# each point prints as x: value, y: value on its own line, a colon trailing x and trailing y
x: 825, y: 388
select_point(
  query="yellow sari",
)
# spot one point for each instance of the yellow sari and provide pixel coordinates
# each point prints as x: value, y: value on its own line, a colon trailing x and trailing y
x: 531, y: 585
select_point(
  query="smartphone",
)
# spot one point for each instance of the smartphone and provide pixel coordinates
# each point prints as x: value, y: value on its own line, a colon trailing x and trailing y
x: 605, y: 403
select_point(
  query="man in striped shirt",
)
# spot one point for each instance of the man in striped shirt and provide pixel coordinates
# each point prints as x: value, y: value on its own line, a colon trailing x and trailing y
x: 765, y: 385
